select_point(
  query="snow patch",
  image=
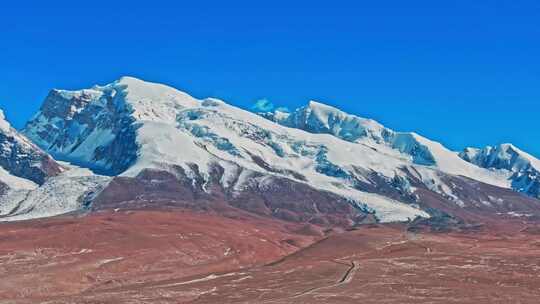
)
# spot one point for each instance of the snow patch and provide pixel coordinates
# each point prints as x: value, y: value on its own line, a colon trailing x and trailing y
x: 67, y: 192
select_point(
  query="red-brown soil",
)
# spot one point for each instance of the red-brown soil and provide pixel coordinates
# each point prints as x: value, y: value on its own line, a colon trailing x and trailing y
x: 74, y: 257
x: 186, y: 257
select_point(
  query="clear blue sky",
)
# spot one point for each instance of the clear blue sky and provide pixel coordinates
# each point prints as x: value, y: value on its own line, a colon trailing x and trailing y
x: 466, y: 73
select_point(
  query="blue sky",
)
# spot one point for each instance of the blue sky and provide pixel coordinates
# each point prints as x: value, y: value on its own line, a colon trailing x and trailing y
x: 466, y: 73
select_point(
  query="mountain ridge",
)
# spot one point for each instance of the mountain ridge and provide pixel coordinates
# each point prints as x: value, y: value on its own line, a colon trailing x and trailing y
x: 138, y: 132
x: 523, y: 167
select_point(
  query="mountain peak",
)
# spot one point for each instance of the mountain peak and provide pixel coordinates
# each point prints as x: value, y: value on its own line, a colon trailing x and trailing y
x: 319, y: 105
x: 86, y: 126
x: 317, y: 117
x: 130, y: 79
x: 133, y: 83
x: 508, y: 146
x: 328, y: 110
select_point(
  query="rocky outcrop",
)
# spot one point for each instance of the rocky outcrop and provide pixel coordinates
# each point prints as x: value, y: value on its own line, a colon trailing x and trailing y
x: 21, y: 158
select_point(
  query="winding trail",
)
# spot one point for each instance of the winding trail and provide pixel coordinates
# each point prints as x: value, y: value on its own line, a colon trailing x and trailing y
x: 349, y: 274
x: 347, y: 277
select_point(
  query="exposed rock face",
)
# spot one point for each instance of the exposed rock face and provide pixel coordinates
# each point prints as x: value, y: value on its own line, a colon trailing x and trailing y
x: 91, y: 128
x: 25, y: 160
x: 524, y: 169
x: 21, y: 158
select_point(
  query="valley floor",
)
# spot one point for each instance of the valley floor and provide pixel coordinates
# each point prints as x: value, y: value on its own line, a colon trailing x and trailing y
x: 186, y: 257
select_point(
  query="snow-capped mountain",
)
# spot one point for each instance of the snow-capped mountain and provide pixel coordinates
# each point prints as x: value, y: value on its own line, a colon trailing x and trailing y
x: 131, y: 125
x: 318, y: 164
x: 523, y: 168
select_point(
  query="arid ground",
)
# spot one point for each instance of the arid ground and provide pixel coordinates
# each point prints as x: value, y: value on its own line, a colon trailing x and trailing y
x: 186, y: 257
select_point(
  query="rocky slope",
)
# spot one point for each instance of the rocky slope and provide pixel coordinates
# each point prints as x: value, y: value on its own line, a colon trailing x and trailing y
x: 20, y: 158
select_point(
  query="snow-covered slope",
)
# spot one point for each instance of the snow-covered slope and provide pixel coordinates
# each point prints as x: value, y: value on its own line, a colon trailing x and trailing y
x: 129, y: 126
x: 72, y: 190
x: 523, y: 168
x: 15, y: 182
x: 33, y: 185
x: 316, y: 117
